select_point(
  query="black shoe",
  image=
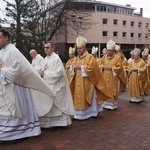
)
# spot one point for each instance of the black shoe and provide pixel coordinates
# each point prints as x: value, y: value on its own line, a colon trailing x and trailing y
x: 131, y: 102
x: 140, y: 101
x: 17, y: 141
x: 95, y: 116
x: 135, y: 102
x: 59, y: 127
x: 13, y: 141
x: 74, y: 119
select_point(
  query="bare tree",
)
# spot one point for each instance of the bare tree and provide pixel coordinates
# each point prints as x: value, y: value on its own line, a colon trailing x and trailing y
x: 36, y: 21
x: 77, y: 20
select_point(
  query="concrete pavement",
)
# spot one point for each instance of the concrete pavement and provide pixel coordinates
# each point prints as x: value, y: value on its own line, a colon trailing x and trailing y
x: 125, y: 96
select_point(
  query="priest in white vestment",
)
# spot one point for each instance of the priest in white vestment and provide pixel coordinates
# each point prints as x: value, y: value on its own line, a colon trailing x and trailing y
x: 54, y: 74
x: 37, y: 61
x: 24, y: 96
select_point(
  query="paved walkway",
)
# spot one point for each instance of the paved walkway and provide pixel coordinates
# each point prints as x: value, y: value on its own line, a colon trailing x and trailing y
x: 125, y: 96
x: 127, y: 128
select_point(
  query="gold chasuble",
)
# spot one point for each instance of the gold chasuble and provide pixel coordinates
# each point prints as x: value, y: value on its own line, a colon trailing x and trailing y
x: 84, y: 86
x: 147, y: 77
x: 147, y: 80
x: 111, y: 76
x: 97, y: 59
x: 148, y: 74
x: 124, y: 79
x: 137, y: 78
x: 125, y: 62
x: 69, y: 67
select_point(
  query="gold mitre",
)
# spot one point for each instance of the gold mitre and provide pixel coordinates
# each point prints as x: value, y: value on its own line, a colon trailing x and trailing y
x: 110, y: 45
x: 136, y: 51
x: 94, y: 50
x: 146, y: 49
x: 71, y: 50
x: 104, y: 51
x: 117, y: 47
x: 80, y: 41
x: 145, y: 53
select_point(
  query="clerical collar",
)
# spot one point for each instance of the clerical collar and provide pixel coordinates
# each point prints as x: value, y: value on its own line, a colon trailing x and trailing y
x: 51, y: 55
x: 137, y: 60
x: 110, y: 57
x: 7, y: 46
x: 36, y: 56
x: 72, y: 58
x: 84, y: 54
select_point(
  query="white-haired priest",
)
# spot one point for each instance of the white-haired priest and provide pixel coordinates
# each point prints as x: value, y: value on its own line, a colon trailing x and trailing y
x: 90, y: 89
x: 137, y: 74
x: 113, y: 74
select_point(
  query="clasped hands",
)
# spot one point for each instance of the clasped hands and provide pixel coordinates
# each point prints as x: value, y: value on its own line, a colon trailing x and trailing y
x: 133, y: 69
x: 107, y: 68
x: 77, y: 67
x: 42, y: 72
x: 67, y: 67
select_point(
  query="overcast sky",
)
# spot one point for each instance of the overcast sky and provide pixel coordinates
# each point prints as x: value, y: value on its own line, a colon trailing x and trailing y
x: 134, y: 3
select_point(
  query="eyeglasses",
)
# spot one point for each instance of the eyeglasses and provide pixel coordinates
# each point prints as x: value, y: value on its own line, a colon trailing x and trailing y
x: 46, y: 47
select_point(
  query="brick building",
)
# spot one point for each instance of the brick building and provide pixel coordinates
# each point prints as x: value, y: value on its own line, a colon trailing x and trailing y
x: 110, y: 21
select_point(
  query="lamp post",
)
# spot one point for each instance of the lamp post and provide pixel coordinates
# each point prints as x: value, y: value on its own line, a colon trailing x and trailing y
x: 77, y: 21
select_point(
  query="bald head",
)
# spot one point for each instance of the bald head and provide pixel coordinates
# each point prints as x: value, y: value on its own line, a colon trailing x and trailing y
x: 33, y: 53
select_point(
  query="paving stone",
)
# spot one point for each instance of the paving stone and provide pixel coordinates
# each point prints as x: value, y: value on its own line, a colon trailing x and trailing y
x: 128, y: 127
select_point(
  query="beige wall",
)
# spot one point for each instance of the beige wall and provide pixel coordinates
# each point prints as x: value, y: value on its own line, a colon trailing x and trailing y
x: 94, y: 34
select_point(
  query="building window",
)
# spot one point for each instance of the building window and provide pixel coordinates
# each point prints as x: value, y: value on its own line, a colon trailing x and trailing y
x: 120, y: 10
x: 105, y: 33
x: 93, y: 8
x: 115, y: 34
x: 139, y: 35
x: 140, y: 24
x: 147, y: 25
x: 124, y: 34
x: 132, y: 23
x: 105, y: 21
x: 116, y: 10
x: 146, y: 36
x: 132, y: 35
x: 102, y: 8
x: 115, y: 21
x: 124, y: 11
x: 124, y: 23
x: 110, y: 9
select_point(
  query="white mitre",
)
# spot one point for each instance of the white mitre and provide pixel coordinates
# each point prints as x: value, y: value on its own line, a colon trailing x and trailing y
x: 146, y: 49
x: 71, y: 50
x: 117, y: 47
x: 136, y: 52
x: 145, y: 53
x: 131, y: 53
x: 94, y: 50
x: 80, y: 41
x: 110, y: 45
x: 104, y: 51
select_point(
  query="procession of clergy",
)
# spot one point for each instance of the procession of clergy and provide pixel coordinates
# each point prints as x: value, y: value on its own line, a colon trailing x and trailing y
x: 46, y: 94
